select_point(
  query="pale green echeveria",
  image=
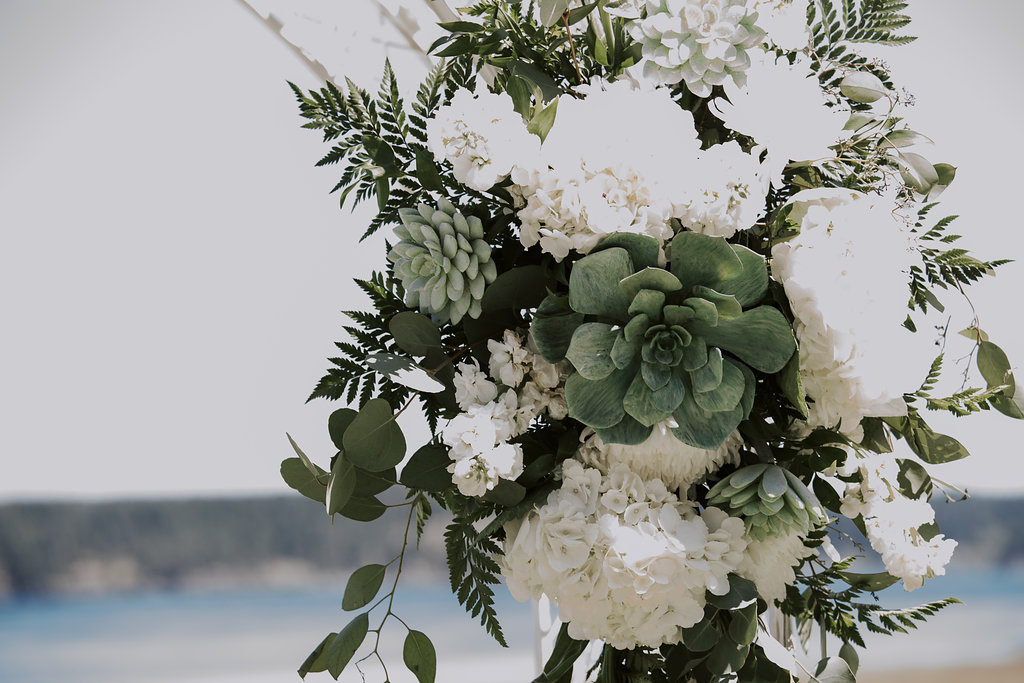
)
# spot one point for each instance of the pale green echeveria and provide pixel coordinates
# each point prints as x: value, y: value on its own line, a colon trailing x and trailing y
x: 771, y: 500
x: 443, y: 261
x: 649, y: 343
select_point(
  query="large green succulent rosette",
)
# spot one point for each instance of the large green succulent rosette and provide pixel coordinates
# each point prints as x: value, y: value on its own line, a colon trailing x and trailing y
x: 649, y: 343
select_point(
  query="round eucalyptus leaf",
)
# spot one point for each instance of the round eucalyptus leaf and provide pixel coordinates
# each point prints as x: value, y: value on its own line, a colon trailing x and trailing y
x: 415, y: 333
x: 373, y: 440
x: 337, y: 423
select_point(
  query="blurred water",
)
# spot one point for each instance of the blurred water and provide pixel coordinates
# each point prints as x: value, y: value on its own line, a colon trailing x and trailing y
x: 261, y: 637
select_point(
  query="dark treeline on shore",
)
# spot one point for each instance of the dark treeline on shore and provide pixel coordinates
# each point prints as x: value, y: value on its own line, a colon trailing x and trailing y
x: 131, y: 545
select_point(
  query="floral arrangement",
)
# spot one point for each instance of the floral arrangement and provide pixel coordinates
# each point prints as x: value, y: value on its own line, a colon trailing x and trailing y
x: 653, y: 275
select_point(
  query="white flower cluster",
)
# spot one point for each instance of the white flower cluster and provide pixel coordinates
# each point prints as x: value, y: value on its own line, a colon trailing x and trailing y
x: 783, y: 107
x: 728, y: 193
x: 785, y: 22
x: 625, y: 560
x: 481, y: 135
x: 478, y: 439
x: 846, y: 277
x: 893, y: 523
x: 701, y: 42
x: 603, y: 169
x: 662, y: 456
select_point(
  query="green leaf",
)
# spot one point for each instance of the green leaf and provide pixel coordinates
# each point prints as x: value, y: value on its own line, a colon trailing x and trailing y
x: 317, y: 659
x: 313, y: 469
x: 506, y: 493
x: 1011, y: 407
x: 543, y: 119
x: 337, y: 423
x: 519, y: 91
x: 834, y: 670
x: 743, y: 625
x: 415, y: 333
x: 650, y: 278
x: 551, y: 11
x: 553, y: 326
x: 401, y: 370
x: 461, y: 26
x: 363, y: 508
x: 792, y: 385
x: 740, y: 591
x: 703, y: 260
x: 995, y: 366
x: 564, y: 654
x: 935, y: 448
x: 946, y: 173
x: 903, y: 138
x: 341, y: 484
x: 374, y: 441
x: 590, y: 350
x: 372, y: 483
x: 862, y: 86
x: 363, y: 586
x: 594, y: 283
x: 869, y: 582
x: 427, y: 470
x: 420, y: 657
x: 918, y: 173
x: 913, y: 479
x: 345, y: 644
x: 702, y: 636
x: 518, y: 288
x: 726, y: 657
x: 848, y: 653
x: 426, y: 171
x: 298, y: 477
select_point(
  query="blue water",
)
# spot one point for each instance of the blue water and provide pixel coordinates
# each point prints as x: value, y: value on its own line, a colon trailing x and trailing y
x: 261, y: 637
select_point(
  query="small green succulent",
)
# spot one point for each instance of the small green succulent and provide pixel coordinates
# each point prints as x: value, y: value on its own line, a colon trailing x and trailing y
x: 771, y: 500
x: 443, y: 261
x: 649, y: 343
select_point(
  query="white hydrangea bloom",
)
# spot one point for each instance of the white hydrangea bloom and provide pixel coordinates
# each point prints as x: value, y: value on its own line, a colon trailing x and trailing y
x: 846, y: 277
x: 771, y: 563
x: 662, y: 456
x: 784, y: 22
x: 472, y: 386
x: 481, y: 135
x: 892, y: 522
x: 783, y: 107
x: 603, y: 169
x: 701, y: 42
x: 625, y: 560
x: 728, y: 192
x: 510, y: 359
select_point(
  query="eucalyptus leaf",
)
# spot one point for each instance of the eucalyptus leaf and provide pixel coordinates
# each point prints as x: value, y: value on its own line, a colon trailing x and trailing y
x: 363, y: 508
x: 415, y: 333
x: 740, y: 591
x: 834, y: 670
x: 317, y: 659
x: 743, y: 624
x: 419, y: 656
x: 404, y: 371
x: 363, y: 586
x: 702, y: 636
x: 374, y: 441
x: 506, y: 493
x: 313, y: 469
x: 344, y: 645
x: 299, y: 477
x: 869, y: 582
x: 426, y: 171
x: 337, y: 423
x: 563, y: 655
x: 341, y: 485
x: 551, y: 11
x: 903, y: 138
x: 372, y: 483
x: 849, y: 655
x: 427, y: 470
x: 995, y: 367
x: 918, y: 173
x: 862, y: 86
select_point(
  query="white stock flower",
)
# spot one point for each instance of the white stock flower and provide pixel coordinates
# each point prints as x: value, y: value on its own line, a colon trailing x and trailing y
x: 784, y: 22
x: 481, y: 135
x: 612, y: 162
x: 472, y: 386
x: 727, y: 194
x: 477, y: 441
x: 662, y: 456
x: 625, y: 560
x: 510, y: 359
x: 701, y: 42
x: 893, y: 522
x: 847, y: 279
x: 783, y: 107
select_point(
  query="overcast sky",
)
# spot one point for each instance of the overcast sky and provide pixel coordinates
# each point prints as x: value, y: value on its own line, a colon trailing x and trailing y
x: 172, y: 267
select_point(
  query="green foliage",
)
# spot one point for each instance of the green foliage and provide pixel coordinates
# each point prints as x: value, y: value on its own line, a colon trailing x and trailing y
x: 835, y: 26
x: 418, y: 654
x: 839, y: 610
x: 943, y: 268
x: 472, y: 569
